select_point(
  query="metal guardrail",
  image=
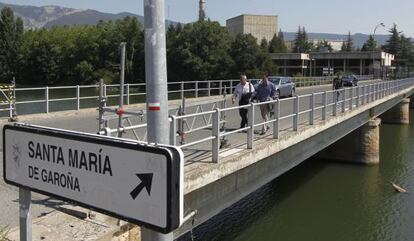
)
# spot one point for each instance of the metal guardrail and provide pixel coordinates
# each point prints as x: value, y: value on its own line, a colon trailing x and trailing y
x: 331, y: 102
x: 176, y: 90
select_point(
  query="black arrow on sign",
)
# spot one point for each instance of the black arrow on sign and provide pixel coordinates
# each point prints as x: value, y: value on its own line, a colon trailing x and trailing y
x: 146, y: 181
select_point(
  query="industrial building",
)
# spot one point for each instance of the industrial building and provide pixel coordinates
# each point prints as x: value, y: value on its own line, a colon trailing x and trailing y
x: 319, y: 64
x: 260, y: 26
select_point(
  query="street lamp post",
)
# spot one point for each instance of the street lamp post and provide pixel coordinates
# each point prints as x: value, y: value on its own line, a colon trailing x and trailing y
x: 373, y: 49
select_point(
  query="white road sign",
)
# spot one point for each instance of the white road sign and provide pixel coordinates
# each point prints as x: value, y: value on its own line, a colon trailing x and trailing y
x: 139, y: 183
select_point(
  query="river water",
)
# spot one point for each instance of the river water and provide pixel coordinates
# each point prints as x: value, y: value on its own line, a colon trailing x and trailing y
x: 326, y: 201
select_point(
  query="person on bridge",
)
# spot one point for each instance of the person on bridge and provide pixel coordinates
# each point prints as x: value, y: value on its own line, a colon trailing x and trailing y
x: 337, y: 84
x: 243, y: 92
x: 265, y: 91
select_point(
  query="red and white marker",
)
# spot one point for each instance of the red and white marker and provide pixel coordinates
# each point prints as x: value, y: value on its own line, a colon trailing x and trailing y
x: 154, y: 106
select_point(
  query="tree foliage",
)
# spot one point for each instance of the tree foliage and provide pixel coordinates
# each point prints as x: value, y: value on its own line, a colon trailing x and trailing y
x: 11, y: 34
x: 277, y: 44
x: 348, y: 45
x: 249, y: 58
x: 370, y: 44
x: 302, y: 44
x: 84, y: 54
x: 323, y: 45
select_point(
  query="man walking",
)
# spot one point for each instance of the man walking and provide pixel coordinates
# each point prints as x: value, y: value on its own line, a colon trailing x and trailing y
x: 337, y: 84
x: 265, y: 92
x: 243, y: 93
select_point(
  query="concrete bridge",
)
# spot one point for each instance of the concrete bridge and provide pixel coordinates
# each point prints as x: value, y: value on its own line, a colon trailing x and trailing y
x: 315, y: 122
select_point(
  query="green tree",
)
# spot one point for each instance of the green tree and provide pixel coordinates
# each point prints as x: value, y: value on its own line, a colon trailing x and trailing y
x: 199, y: 51
x: 277, y: 44
x: 324, y: 45
x: 11, y: 32
x: 393, y: 45
x: 250, y: 58
x: 370, y: 44
x: 348, y: 45
x: 302, y: 44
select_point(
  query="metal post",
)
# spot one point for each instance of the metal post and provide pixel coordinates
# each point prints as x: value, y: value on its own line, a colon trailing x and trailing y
x: 104, y: 94
x: 335, y: 100
x: 25, y: 199
x: 77, y: 97
x: 312, y: 108
x: 250, y: 132
x: 351, y: 97
x: 220, y: 87
x: 127, y: 94
x: 101, y: 104
x: 343, y: 100
x: 121, y: 88
x: 157, y: 90
x: 173, y: 130
x: 182, y: 90
x: 276, y: 115
x: 209, y: 88
x: 324, y: 103
x: 14, y: 106
x: 296, y: 112
x: 216, y: 133
x: 196, y: 89
x: 357, y: 95
x: 47, y: 98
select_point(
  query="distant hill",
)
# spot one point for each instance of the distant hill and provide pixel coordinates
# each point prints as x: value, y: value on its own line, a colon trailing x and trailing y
x: 358, y: 38
x: 49, y: 16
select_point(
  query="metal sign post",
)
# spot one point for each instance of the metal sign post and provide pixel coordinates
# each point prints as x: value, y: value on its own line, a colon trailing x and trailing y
x: 141, y: 184
x: 157, y: 89
x: 25, y: 206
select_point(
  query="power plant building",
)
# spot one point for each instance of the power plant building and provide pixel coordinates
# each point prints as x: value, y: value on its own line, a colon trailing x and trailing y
x: 260, y: 26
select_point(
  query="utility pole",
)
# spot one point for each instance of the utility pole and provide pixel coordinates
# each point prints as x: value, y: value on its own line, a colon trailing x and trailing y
x: 156, y: 83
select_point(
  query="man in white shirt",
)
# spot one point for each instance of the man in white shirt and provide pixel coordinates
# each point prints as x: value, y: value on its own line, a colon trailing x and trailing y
x: 243, y: 92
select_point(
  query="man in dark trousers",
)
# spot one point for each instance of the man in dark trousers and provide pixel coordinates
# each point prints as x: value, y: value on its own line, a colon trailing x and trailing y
x: 243, y: 93
x: 337, y: 84
x: 265, y: 91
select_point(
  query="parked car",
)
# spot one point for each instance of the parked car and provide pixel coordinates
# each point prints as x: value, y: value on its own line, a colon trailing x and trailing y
x: 283, y: 85
x: 350, y: 80
x: 255, y: 82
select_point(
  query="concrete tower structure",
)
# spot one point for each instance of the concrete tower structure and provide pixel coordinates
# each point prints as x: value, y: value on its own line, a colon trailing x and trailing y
x: 202, y: 10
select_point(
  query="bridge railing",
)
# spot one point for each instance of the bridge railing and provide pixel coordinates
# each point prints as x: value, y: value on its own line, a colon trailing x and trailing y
x: 304, y: 111
x: 49, y: 99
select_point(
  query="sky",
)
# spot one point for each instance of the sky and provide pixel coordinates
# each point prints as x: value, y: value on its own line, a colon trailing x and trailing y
x: 322, y: 16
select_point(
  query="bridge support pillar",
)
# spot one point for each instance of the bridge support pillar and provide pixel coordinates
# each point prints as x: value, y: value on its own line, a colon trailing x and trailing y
x: 400, y: 114
x: 412, y: 102
x: 362, y: 146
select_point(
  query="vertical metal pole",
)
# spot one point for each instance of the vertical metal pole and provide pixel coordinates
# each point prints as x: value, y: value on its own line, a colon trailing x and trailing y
x: 351, y: 97
x: 77, y: 97
x: 157, y: 90
x: 127, y: 94
x: 324, y: 103
x: 250, y: 132
x: 173, y: 130
x: 104, y: 94
x: 196, y: 89
x: 357, y: 95
x: 101, y: 104
x: 296, y: 112
x: 276, y: 114
x: 121, y: 88
x: 25, y: 199
x: 14, y: 106
x: 343, y: 100
x: 47, y: 98
x: 220, y: 87
x: 312, y: 109
x: 209, y: 88
x: 182, y: 90
x: 216, y: 133
x: 335, y: 102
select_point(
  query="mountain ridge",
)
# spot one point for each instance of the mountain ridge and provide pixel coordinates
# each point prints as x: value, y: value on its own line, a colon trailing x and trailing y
x: 51, y: 15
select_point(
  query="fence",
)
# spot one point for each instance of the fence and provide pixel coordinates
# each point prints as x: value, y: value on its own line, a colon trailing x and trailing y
x: 331, y: 102
x: 48, y: 99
